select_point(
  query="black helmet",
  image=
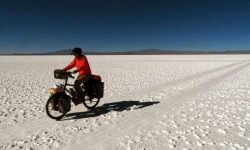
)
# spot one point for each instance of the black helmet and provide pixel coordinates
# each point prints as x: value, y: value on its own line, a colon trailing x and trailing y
x: 76, y: 50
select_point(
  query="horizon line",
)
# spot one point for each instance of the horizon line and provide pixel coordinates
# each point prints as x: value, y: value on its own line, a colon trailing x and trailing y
x: 136, y: 52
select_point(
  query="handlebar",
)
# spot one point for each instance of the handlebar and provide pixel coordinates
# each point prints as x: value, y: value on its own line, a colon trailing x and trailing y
x: 70, y: 74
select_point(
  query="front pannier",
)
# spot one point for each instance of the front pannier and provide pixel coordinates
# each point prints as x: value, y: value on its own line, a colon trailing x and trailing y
x: 60, y: 74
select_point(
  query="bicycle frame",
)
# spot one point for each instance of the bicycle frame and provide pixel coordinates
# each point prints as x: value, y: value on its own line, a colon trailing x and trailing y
x: 66, y: 84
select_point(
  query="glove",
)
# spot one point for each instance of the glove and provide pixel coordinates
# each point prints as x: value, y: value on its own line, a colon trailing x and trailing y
x: 75, y: 71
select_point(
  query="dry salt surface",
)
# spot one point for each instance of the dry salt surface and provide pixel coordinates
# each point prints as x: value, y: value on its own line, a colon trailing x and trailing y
x: 151, y: 102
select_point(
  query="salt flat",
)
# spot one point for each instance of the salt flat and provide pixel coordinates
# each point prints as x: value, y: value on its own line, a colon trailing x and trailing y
x: 150, y: 102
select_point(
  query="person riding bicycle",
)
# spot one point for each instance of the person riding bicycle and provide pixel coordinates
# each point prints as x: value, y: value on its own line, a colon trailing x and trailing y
x: 81, y: 63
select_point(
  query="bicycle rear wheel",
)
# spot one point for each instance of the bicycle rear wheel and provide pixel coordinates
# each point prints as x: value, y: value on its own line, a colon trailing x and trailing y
x: 90, y: 103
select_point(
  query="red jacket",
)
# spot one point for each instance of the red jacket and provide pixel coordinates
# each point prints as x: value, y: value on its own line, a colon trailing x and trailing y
x: 81, y: 64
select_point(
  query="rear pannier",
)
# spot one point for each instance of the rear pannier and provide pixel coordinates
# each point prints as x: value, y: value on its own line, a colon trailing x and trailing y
x: 99, y: 89
x: 98, y: 86
x: 60, y: 74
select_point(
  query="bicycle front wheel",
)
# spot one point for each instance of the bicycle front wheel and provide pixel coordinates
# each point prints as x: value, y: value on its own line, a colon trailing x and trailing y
x: 52, y: 107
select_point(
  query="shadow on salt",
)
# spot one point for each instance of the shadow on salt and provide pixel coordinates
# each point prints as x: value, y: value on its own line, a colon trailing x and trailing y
x: 109, y: 107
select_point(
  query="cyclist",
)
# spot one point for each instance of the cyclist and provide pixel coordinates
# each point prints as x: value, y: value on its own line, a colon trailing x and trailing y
x: 81, y: 63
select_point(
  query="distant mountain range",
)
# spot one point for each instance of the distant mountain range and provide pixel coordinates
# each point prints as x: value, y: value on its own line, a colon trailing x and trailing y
x: 140, y: 52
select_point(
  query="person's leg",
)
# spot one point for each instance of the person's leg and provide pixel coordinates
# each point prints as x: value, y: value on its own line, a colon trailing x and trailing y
x: 79, y: 81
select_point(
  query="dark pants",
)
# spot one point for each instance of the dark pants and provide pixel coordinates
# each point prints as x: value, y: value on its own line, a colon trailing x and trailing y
x: 79, y: 81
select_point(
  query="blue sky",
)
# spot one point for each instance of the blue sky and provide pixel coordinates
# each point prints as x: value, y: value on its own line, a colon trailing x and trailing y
x: 120, y: 25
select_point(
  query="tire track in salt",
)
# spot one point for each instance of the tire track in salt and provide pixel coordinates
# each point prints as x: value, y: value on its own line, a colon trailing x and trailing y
x: 213, y: 119
x: 45, y: 123
x: 141, y: 119
x: 178, y: 81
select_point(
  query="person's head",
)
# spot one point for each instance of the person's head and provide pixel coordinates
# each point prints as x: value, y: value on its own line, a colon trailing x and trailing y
x: 76, y: 52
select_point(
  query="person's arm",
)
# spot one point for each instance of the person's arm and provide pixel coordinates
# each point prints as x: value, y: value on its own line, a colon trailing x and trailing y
x: 70, y: 66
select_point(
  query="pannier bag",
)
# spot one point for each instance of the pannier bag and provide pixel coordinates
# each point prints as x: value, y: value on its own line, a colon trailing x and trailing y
x: 97, y: 77
x: 64, y: 105
x: 98, y: 86
x: 99, y: 89
x: 60, y: 74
